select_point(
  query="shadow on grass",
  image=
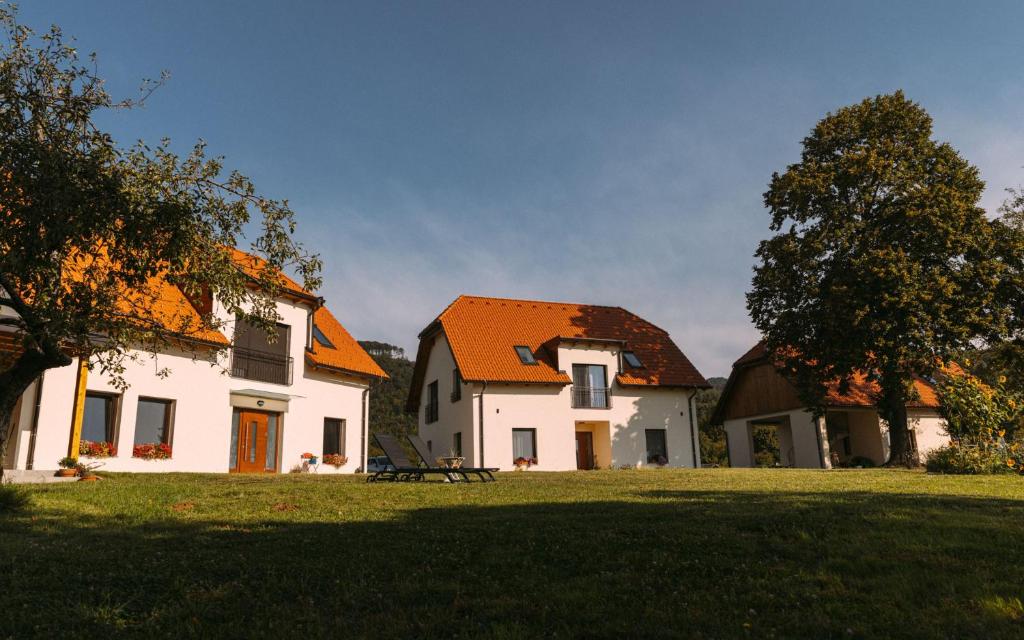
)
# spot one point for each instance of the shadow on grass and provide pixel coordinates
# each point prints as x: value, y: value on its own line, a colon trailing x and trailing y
x: 670, y: 564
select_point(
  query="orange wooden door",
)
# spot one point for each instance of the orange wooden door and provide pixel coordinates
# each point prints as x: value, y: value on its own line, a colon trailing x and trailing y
x: 584, y: 450
x: 252, y: 442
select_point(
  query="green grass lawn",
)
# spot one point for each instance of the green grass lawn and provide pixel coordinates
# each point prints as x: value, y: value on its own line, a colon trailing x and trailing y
x: 710, y: 553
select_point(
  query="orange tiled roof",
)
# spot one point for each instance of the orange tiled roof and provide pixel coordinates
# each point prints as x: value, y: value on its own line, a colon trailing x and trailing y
x: 346, y: 354
x: 163, y: 304
x: 252, y: 266
x: 483, y: 332
x: 862, y: 391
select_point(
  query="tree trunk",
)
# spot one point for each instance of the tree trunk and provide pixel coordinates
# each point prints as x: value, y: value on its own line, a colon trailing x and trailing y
x: 13, y: 383
x: 893, y: 408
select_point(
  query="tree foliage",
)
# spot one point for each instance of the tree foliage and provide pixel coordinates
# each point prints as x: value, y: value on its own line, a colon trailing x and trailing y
x: 388, y: 397
x: 89, y: 230
x: 882, y: 261
x: 714, y: 449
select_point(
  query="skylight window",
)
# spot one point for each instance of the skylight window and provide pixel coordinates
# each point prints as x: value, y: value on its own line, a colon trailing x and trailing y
x: 525, y: 355
x: 319, y: 336
x: 632, y: 360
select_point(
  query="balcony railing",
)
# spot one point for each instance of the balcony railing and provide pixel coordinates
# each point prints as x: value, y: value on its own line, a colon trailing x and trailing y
x: 431, y: 413
x: 591, y: 398
x: 261, y: 365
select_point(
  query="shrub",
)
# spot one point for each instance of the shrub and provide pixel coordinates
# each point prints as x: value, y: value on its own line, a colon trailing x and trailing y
x: 67, y: 462
x: 13, y: 499
x: 972, y: 460
x: 974, y: 411
x: 861, y: 461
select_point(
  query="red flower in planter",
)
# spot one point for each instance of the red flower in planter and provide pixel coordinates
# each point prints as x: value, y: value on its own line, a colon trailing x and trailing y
x: 152, y: 451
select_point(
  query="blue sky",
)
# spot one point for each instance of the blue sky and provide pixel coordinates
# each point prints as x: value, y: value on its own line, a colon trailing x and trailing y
x: 610, y: 153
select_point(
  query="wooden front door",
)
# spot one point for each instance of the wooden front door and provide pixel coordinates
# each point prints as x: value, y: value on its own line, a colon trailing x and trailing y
x: 584, y: 450
x: 254, y: 440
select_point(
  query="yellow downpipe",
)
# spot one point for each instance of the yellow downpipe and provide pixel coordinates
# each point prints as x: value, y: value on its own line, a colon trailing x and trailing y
x: 78, y: 410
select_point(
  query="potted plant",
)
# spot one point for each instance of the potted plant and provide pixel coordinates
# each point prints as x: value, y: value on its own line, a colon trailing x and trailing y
x: 87, y: 472
x: 68, y: 467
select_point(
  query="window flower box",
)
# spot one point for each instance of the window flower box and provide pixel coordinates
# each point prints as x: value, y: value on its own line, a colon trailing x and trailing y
x: 92, y: 449
x: 523, y: 463
x: 152, y: 451
x: 336, y: 460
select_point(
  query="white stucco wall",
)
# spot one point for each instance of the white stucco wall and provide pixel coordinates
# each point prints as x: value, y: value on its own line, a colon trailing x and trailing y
x: 930, y: 430
x: 548, y: 409
x: 452, y: 417
x: 798, y: 441
x: 201, y: 433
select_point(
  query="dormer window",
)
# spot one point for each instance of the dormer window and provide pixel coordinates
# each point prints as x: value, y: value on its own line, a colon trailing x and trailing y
x: 525, y: 355
x: 319, y: 336
x: 632, y: 360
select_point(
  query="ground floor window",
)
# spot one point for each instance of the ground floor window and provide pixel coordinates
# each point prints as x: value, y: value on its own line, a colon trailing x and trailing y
x: 457, y: 443
x: 657, y: 452
x: 334, y: 436
x: 99, y: 425
x: 153, y: 423
x: 524, y: 444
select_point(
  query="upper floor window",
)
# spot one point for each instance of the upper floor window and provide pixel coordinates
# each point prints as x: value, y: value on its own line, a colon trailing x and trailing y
x: 456, y: 385
x: 259, y: 355
x: 431, y: 409
x: 99, y: 424
x: 525, y: 355
x: 590, y: 386
x: 632, y: 360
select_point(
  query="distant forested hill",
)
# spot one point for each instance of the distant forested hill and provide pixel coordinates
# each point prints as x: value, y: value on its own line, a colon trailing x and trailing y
x: 387, y: 398
x: 713, y: 449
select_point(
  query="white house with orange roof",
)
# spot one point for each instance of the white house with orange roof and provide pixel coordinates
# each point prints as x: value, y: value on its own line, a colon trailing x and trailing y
x: 851, y: 433
x: 238, y: 404
x: 556, y: 385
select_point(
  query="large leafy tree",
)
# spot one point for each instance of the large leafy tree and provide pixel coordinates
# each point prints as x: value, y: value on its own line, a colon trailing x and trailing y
x: 90, y: 230
x: 882, y: 261
x: 1003, y: 356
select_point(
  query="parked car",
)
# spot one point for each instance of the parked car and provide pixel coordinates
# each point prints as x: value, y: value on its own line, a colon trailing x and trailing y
x: 378, y: 463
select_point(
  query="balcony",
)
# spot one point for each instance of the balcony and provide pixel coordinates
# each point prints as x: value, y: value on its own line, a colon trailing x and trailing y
x: 261, y: 365
x: 591, y: 397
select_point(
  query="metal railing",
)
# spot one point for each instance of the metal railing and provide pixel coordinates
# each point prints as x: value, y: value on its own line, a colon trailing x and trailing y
x: 431, y: 413
x: 261, y: 365
x: 591, y: 398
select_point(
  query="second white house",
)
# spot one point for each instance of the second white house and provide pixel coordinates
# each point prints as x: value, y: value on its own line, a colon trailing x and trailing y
x: 552, y: 385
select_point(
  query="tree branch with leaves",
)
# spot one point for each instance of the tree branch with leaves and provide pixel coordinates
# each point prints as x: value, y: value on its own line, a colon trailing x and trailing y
x: 90, y: 232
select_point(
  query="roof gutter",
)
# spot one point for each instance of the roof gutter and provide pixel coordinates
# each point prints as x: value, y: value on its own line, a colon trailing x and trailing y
x: 482, y: 391
x: 365, y: 432
x: 694, y: 440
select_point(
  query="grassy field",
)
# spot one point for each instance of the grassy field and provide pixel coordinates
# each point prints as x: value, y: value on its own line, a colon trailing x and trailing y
x: 711, y: 554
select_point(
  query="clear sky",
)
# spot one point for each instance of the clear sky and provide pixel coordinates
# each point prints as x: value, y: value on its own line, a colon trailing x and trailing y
x: 609, y: 153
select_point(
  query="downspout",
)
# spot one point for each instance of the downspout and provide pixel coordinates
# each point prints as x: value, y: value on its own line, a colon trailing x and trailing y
x: 694, y: 442
x: 365, y: 431
x: 31, y: 458
x: 482, y: 390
